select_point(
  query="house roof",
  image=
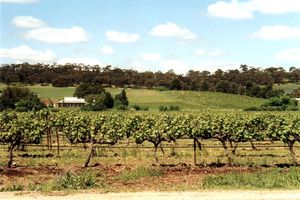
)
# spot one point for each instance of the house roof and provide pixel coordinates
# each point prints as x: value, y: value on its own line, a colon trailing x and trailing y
x: 72, y: 100
x: 47, y: 102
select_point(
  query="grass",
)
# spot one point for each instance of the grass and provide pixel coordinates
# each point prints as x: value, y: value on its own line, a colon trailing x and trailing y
x: 269, y: 179
x: 69, y: 181
x: 288, y: 87
x: 186, y: 100
x: 12, y: 188
x: 139, y: 173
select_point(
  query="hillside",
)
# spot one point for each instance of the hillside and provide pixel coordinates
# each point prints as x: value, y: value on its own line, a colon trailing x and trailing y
x: 287, y: 87
x: 187, y: 100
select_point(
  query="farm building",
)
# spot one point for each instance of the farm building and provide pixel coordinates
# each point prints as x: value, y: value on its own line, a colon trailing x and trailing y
x: 71, y: 102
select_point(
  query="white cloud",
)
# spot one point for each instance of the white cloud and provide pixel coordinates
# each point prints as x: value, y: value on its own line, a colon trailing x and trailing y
x: 27, y: 22
x: 277, y: 32
x: 289, y: 55
x: 56, y: 35
x: 276, y: 6
x: 18, y: 1
x: 179, y: 66
x: 236, y: 9
x: 26, y: 54
x: 209, y: 53
x: 150, y: 57
x: 212, y: 66
x: 107, y: 50
x: 231, y: 10
x: 173, y: 31
x: 122, y: 37
x: 79, y: 60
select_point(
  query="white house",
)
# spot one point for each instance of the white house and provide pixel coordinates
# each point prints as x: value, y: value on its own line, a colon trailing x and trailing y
x: 71, y: 102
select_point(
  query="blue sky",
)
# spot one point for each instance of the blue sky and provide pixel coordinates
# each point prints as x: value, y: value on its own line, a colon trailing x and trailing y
x: 152, y: 34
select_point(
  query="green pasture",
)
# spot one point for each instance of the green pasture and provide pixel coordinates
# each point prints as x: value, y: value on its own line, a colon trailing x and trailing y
x: 186, y: 100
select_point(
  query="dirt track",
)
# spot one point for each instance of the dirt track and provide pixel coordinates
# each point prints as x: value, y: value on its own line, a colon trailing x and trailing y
x: 203, y: 195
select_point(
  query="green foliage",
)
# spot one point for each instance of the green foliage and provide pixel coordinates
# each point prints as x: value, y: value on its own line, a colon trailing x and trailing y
x: 21, y: 128
x: 161, y: 88
x: 140, y: 172
x: 138, y: 108
x: 280, y: 104
x: 73, y: 181
x: 11, y: 188
x: 121, y: 99
x: 85, y: 89
x: 258, y: 180
x: 229, y: 129
x: 20, y: 98
x: 99, y: 102
x: 170, y: 108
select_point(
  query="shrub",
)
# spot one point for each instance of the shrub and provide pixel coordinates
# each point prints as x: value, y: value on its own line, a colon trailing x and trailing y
x: 163, y: 108
x: 170, y: 108
x: 122, y: 98
x: 75, y: 181
x: 137, y: 108
x: 121, y: 107
x: 280, y: 104
x: 252, y: 109
x: 174, y: 108
x: 161, y: 88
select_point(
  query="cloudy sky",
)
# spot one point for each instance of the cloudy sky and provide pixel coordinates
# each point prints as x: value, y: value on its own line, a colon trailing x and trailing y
x: 152, y: 34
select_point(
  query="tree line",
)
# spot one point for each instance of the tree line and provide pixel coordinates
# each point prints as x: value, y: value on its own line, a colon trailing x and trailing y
x: 247, y: 80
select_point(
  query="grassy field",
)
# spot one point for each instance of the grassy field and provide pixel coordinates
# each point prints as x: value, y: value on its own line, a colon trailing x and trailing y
x: 288, y: 87
x: 186, y: 100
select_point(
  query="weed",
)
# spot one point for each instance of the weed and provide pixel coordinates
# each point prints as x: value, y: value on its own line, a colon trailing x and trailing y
x: 14, y: 187
x: 278, y: 178
x: 140, y: 172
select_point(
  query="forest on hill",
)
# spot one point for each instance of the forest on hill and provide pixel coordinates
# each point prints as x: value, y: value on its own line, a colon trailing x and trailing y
x: 247, y: 80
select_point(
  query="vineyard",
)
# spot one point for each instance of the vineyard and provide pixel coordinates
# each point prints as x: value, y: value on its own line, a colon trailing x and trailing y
x: 230, y: 130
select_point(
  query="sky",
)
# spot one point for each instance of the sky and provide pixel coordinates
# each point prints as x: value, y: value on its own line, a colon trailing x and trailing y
x: 152, y: 35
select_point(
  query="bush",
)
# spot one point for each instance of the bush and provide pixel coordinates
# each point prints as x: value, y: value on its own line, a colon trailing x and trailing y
x: 280, y: 104
x: 122, y: 98
x: 75, y: 181
x: 174, y: 108
x: 161, y: 88
x: 121, y: 107
x: 14, y: 97
x: 163, y: 108
x: 170, y: 108
x: 252, y: 109
x: 21, y: 109
x: 137, y: 108
x: 98, y: 102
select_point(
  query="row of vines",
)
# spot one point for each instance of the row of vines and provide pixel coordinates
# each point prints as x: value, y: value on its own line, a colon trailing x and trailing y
x: 229, y: 129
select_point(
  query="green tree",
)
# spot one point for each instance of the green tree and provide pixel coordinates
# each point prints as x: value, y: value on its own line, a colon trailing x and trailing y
x: 121, y: 98
x: 18, y: 97
x: 85, y: 89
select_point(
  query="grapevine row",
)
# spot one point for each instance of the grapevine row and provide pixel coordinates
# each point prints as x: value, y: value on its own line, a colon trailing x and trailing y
x: 229, y: 129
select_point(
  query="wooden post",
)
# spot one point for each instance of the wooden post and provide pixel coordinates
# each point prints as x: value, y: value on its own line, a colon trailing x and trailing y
x: 195, y: 153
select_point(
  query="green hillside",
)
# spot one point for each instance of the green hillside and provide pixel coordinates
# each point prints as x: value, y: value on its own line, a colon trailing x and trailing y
x: 187, y: 100
x: 288, y: 87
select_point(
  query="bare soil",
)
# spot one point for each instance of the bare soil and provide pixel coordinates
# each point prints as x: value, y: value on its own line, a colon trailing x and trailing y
x: 203, y: 195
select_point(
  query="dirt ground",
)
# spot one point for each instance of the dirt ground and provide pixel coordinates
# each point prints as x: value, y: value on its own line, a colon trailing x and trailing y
x: 202, y: 195
x: 181, y: 174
